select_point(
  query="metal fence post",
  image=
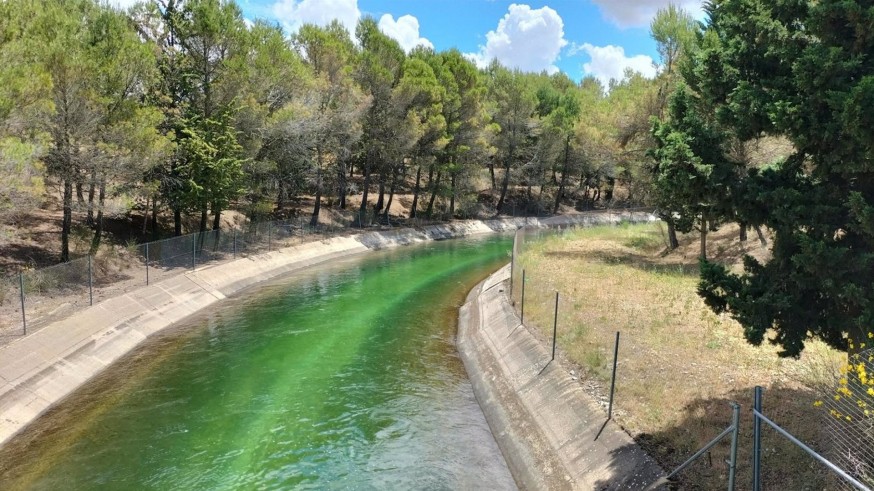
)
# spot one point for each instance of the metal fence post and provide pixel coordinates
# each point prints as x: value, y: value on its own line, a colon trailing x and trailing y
x: 90, y: 283
x: 147, y: 264
x: 613, y: 378
x: 732, y: 458
x: 193, y: 252
x: 21, y: 288
x: 757, y: 439
x: 555, y: 326
x: 522, y: 316
x: 513, y: 260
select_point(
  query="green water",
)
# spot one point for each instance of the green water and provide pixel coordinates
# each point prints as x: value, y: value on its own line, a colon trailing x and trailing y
x: 345, y: 377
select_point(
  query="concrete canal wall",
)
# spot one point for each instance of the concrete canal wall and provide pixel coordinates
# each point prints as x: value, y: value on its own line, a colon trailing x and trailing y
x: 551, y: 432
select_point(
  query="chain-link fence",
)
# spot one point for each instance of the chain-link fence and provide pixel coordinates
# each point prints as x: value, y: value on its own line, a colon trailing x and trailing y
x: 849, y: 418
x: 666, y: 393
x: 36, y: 297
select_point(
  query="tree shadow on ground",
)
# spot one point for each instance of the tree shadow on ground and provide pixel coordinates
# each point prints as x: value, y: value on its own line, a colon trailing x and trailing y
x: 16, y: 256
x: 783, y: 465
x: 637, y: 261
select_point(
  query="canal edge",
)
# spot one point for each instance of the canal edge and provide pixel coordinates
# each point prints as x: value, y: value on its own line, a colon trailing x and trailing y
x: 548, y: 429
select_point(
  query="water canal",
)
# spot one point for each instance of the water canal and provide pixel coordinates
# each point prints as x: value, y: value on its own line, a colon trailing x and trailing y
x: 343, y: 377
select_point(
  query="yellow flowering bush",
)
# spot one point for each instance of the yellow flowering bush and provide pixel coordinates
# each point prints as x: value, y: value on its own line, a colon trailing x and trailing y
x: 851, y: 412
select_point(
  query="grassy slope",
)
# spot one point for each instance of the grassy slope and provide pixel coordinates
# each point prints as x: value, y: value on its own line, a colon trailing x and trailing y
x: 679, y: 364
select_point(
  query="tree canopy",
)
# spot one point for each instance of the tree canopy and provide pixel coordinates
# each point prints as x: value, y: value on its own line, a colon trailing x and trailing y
x: 802, y: 70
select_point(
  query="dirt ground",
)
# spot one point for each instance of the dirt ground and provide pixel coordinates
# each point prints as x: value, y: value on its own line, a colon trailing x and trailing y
x: 680, y: 366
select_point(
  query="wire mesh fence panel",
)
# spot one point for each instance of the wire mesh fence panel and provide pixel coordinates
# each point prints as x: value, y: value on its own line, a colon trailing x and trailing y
x: 849, y: 419
x: 172, y: 253
x: 285, y: 233
x: 10, y: 305
x: 55, y: 292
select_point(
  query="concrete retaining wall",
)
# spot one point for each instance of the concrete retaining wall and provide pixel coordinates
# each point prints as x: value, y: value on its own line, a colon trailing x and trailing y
x: 551, y: 433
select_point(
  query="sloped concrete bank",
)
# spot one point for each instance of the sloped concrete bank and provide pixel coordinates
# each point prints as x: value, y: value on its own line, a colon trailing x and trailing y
x: 552, y: 435
x: 39, y: 370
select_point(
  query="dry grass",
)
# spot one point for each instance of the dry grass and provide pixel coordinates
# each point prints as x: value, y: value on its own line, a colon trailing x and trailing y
x: 679, y: 364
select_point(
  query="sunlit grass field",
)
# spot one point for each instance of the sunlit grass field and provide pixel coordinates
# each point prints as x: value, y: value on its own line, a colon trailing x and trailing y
x: 679, y: 364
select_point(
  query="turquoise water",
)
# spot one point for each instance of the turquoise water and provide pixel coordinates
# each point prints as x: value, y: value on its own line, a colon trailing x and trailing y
x: 345, y: 377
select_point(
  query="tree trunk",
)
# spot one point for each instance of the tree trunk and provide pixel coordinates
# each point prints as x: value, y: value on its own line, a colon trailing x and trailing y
x: 280, y: 195
x: 452, y: 196
x: 505, y: 183
x: 743, y: 231
x: 492, y: 175
x: 203, y: 216
x: 67, y: 222
x: 436, y: 184
x: 762, y: 238
x: 98, y: 230
x: 560, y: 192
x: 89, y: 219
x: 145, y: 217
x: 416, y: 191
x: 177, y: 221
x: 380, y: 201
x: 673, y: 242
x: 703, y: 253
x: 317, y: 206
x: 391, y: 195
x: 217, y: 216
x: 155, y: 217
x: 341, y: 184
x: 80, y: 197
x: 362, y: 210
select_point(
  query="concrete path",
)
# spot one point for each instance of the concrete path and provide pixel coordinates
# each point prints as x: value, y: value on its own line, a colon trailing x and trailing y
x: 550, y: 431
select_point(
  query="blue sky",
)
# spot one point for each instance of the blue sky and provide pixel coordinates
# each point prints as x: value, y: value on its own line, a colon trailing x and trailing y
x: 579, y: 37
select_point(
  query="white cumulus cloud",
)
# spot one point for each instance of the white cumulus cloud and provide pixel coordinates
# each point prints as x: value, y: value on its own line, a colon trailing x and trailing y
x: 405, y: 30
x: 527, y: 39
x: 638, y: 13
x: 294, y: 13
x: 609, y: 62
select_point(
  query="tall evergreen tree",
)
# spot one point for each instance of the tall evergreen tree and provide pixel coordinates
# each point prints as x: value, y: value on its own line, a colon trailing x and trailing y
x: 803, y: 70
x: 378, y: 72
x: 513, y: 105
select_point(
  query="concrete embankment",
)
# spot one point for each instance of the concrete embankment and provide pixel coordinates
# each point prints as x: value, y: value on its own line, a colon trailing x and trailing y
x: 39, y: 370
x: 551, y: 432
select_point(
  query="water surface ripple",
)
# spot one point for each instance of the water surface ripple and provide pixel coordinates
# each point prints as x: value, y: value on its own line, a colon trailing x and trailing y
x: 345, y: 377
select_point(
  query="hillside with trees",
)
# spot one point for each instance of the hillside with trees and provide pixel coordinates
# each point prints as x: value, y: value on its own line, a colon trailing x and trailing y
x: 173, y: 116
x: 162, y: 118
